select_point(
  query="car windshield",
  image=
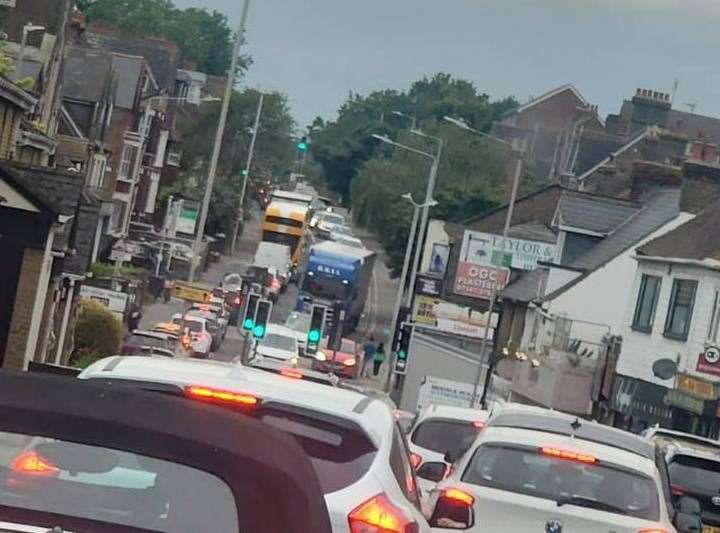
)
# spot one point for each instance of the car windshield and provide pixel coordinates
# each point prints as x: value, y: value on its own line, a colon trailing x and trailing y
x: 232, y: 279
x: 194, y: 325
x: 279, y: 342
x: 333, y: 218
x: 112, y: 486
x: 340, y: 453
x: 298, y: 321
x: 444, y: 436
x: 526, y: 470
x: 326, y: 288
x: 145, y: 340
x: 695, y: 475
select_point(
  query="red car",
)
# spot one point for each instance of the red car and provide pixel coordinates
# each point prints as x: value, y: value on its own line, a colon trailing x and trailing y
x: 343, y: 363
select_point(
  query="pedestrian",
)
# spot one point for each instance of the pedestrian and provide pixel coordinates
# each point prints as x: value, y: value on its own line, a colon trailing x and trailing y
x: 135, y: 318
x: 368, y: 354
x: 379, y: 359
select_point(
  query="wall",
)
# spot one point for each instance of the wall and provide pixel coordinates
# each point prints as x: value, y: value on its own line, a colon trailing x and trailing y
x: 641, y: 350
x: 602, y: 295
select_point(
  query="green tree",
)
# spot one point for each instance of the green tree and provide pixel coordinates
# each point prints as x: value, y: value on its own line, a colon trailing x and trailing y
x: 98, y: 334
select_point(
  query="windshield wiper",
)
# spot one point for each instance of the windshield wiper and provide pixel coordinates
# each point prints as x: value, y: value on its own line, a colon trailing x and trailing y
x: 582, y: 501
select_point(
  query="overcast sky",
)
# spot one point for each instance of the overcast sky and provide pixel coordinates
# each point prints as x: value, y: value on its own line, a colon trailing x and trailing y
x: 318, y: 50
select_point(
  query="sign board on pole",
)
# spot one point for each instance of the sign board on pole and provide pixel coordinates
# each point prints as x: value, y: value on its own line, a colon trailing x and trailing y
x: 478, y: 281
x: 451, y: 318
x: 8, y: 3
x: 113, y: 300
x: 488, y: 249
x: 440, y: 391
x: 187, y: 220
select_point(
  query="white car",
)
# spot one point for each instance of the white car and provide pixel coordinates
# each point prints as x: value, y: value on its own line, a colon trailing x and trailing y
x: 300, y: 324
x: 533, y: 469
x: 200, y: 337
x: 328, y: 222
x: 347, y: 240
x: 352, y: 440
x: 437, y: 430
x: 280, y: 343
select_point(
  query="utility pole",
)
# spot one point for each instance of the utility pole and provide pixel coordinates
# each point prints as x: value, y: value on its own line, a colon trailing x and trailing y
x: 241, y: 206
x: 195, y: 260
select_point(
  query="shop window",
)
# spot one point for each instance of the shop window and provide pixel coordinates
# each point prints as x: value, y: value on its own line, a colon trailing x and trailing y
x: 682, y: 299
x: 714, y: 326
x: 646, y: 303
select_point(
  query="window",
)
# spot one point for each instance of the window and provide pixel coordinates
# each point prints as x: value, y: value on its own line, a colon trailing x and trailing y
x: 646, y: 303
x: 713, y: 329
x: 402, y: 469
x: 444, y: 436
x: 126, y: 162
x: 97, y: 179
x: 677, y: 324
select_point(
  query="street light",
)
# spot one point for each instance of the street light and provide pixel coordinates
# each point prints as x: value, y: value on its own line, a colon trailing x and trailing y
x: 506, y: 229
x: 413, y: 118
x: 28, y: 28
x: 218, y: 142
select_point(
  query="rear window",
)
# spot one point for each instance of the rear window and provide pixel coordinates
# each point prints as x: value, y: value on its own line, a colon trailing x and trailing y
x: 142, y: 340
x: 698, y: 476
x: 279, y: 342
x: 111, y: 486
x: 527, y: 471
x: 340, y: 455
x: 443, y: 436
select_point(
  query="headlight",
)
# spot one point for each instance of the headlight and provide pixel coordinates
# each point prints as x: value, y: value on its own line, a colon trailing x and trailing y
x: 349, y: 362
x: 320, y: 356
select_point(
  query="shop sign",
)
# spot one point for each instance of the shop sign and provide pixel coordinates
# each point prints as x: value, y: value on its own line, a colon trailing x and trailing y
x: 709, y: 361
x: 488, y: 249
x: 451, y: 318
x: 113, y: 300
x: 477, y: 281
x: 698, y: 388
x: 684, y: 401
x: 639, y: 399
x: 428, y: 286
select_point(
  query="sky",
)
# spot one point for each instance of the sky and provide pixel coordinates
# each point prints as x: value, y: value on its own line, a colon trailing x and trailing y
x: 316, y: 51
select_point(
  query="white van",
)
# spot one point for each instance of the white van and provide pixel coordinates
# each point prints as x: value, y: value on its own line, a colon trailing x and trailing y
x: 274, y: 256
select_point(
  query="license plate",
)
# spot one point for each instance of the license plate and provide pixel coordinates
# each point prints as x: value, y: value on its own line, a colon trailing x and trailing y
x: 711, y: 529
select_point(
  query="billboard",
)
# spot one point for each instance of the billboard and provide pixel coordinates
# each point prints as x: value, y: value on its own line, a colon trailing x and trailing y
x: 113, y: 300
x: 492, y: 250
x: 451, y: 318
x: 188, y: 217
x: 478, y: 281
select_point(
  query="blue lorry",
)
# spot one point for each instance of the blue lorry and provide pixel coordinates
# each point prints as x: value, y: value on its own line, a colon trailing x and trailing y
x: 338, y: 275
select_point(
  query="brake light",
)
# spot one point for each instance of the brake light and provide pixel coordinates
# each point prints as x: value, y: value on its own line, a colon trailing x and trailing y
x: 478, y: 424
x: 415, y: 460
x: 349, y: 362
x: 458, y: 496
x: 653, y: 530
x: 453, y: 509
x: 276, y: 283
x: 678, y: 490
x: 221, y: 396
x: 33, y: 464
x: 568, y: 454
x: 290, y: 373
x: 378, y: 515
x: 237, y: 301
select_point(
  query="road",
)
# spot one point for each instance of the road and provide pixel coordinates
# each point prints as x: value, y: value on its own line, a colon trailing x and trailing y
x: 375, y: 321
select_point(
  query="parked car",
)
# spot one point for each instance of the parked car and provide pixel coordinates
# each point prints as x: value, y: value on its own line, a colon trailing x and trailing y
x: 344, y: 362
x: 196, y: 329
x: 86, y: 457
x: 352, y: 440
x: 280, y: 343
x: 300, y: 324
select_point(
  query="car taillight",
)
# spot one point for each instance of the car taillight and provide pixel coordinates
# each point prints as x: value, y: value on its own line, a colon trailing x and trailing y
x: 221, y: 396
x: 415, y: 460
x: 678, y: 490
x: 453, y: 509
x: 378, y: 515
x: 479, y: 424
x: 568, y: 454
x: 238, y: 301
x: 291, y: 373
x: 653, y: 530
x: 349, y: 362
x: 31, y: 463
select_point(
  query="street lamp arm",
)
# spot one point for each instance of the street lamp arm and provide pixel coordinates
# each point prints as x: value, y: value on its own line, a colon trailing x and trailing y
x: 387, y: 140
x: 462, y: 124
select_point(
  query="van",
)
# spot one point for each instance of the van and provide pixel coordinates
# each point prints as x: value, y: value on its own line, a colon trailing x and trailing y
x: 276, y: 257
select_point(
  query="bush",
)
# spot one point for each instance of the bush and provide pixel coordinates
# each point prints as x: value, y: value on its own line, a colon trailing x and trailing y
x: 98, y: 334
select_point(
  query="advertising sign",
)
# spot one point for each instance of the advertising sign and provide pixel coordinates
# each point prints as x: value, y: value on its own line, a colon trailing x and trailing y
x: 709, y: 361
x: 451, y: 318
x: 114, y: 301
x: 439, y: 259
x: 488, y: 249
x: 187, y: 221
x: 427, y: 285
x: 440, y: 391
x: 640, y: 399
x: 699, y: 388
x: 8, y: 3
x: 479, y: 281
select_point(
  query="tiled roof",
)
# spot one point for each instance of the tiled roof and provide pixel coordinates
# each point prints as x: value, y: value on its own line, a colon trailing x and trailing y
x: 594, y: 213
x: 527, y: 287
x: 86, y: 72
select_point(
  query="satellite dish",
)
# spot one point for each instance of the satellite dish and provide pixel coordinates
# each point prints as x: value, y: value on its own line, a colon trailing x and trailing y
x: 664, y: 368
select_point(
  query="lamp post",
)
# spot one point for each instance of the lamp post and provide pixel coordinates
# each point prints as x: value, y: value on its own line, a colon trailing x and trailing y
x: 194, y: 260
x: 408, y: 250
x: 508, y: 220
x: 412, y: 118
x: 29, y: 27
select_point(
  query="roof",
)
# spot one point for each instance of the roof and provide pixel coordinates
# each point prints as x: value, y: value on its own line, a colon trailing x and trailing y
x: 245, y: 453
x: 128, y: 70
x: 285, y: 209
x: 635, y: 140
x: 86, y: 73
x: 697, y: 239
x: 57, y: 189
x: 694, y: 125
x: 594, y: 213
x: 15, y: 94
x: 554, y: 92
x: 527, y: 287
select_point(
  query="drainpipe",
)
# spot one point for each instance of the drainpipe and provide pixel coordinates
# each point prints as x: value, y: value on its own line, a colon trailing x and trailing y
x: 40, y: 295
x: 63, y: 326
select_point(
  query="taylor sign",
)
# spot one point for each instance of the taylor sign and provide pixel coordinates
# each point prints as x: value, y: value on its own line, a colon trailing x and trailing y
x: 479, y: 281
x: 488, y: 249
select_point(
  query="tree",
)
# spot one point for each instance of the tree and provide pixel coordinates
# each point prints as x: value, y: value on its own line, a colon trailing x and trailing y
x: 98, y: 334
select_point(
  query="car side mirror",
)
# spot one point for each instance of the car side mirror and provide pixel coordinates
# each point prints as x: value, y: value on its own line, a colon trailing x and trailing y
x: 688, y: 516
x: 432, y: 471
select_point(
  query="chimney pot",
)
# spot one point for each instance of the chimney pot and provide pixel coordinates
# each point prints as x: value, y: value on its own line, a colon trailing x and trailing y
x: 638, y: 92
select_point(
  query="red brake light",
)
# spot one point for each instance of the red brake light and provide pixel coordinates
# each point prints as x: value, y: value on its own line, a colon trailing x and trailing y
x: 33, y: 464
x: 458, y: 496
x: 237, y: 301
x: 568, y: 454
x: 678, y: 490
x: 378, y: 515
x: 222, y: 396
x: 653, y: 530
x: 415, y: 460
x: 478, y: 424
x: 291, y: 373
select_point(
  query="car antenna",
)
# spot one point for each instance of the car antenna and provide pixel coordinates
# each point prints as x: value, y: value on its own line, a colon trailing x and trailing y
x: 576, y: 424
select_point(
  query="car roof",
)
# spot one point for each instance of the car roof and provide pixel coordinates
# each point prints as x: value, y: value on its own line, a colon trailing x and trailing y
x: 679, y: 443
x: 239, y: 450
x: 279, y: 329
x: 452, y: 412
x: 151, y: 334
x: 366, y: 410
x: 549, y: 421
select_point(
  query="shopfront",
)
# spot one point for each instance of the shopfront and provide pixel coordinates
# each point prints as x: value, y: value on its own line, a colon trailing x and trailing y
x: 693, y: 404
x: 637, y: 404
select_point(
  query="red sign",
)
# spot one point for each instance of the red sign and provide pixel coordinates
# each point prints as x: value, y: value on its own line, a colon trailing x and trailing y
x: 709, y: 361
x: 479, y: 281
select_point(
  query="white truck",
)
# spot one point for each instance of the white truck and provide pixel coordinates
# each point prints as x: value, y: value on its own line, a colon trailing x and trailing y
x: 274, y: 256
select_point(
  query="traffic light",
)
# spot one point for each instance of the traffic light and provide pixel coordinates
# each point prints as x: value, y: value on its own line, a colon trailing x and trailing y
x: 317, y: 324
x: 262, y: 317
x: 403, y: 348
x: 303, y: 145
x: 249, y: 316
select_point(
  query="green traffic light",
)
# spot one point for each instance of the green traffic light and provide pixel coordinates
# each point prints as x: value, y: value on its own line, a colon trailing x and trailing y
x: 402, y: 354
x: 248, y: 324
x: 259, y: 331
x: 303, y: 147
x: 313, y: 335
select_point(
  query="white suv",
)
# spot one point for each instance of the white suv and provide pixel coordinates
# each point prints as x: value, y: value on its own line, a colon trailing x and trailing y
x: 352, y: 439
x: 533, y: 469
x: 437, y: 430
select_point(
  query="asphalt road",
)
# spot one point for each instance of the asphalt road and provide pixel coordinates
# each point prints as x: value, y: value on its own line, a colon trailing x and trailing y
x: 378, y: 309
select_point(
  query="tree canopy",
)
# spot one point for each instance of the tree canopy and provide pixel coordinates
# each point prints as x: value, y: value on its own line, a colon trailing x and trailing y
x: 204, y: 37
